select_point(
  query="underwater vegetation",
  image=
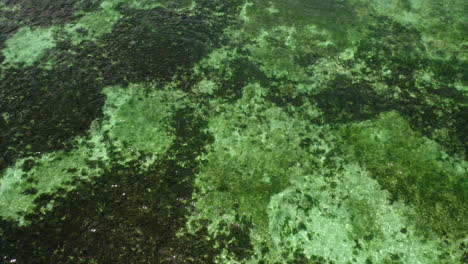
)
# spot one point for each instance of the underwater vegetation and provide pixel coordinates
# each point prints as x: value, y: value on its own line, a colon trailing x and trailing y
x: 238, y: 132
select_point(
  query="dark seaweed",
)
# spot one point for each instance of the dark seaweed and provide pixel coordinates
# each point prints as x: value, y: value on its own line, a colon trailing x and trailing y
x: 154, y: 44
x: 125, y: 216
x: 238, y: 241
x: 235, y: 75
x: 7, y: 28
x: 426, y: 106
x: 346, y: 101
x: 47, y: 13
x: 45, y: 108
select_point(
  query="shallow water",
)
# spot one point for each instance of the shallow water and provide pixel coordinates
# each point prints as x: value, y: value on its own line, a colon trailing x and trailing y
x: 213, y: 131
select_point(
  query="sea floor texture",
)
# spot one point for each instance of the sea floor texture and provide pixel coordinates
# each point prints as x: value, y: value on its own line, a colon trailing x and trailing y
x: 234, y: 131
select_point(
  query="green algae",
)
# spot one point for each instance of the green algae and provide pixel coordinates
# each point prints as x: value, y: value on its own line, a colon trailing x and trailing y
x: 114, y: 58
x: 28, y: 45
x: 346, y: 218
x: 442, y: 23
x: 90, y: 158
x: 335, y: 16
x: 276, y: 53
x: 5, y: 7
x: 95, y: 23
x: 240, y: 132
x: 251, y: 159
x: 150, y: 198
x: 149, y: 4
x: 51, y: 172
x: 414, y: 170
x: 101, y: 21
x: 338, y: 214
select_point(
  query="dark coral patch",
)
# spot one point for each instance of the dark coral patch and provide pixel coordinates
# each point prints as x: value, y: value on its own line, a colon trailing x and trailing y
x: 155, y: 44
x: 158, y: 43
x: 128, y: 215
x: 47, y: 13
x: 6, y: 29
x: 235, y: 74
x: 428, y: 106
x: 238, y: 240
x: 391, y: 45
x: 43, y: 108
x: 346, y: 101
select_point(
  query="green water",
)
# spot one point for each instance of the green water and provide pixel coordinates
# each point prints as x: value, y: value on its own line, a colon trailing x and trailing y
x: 233, y: 132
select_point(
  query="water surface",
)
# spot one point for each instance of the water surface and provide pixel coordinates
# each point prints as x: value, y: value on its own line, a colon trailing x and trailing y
x: 209, y: 131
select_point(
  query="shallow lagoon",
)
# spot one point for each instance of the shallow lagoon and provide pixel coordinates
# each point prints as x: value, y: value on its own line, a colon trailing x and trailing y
x: 233, y: 131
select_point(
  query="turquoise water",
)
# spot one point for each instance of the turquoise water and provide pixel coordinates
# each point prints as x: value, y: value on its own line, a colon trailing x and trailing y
x: 299, y: 132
